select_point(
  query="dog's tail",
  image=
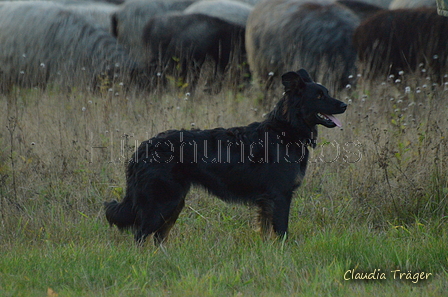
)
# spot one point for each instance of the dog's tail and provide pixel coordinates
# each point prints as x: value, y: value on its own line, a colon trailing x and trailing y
x: 120, y: 214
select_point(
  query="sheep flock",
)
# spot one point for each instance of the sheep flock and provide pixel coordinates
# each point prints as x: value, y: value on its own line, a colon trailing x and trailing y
x: 149, y: 43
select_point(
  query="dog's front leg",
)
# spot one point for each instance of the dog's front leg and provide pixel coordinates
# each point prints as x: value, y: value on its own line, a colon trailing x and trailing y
x: 280, y: 217
x: 265, y: 213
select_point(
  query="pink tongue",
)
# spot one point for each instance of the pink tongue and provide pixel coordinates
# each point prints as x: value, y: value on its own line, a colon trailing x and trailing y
x: 335, y: 120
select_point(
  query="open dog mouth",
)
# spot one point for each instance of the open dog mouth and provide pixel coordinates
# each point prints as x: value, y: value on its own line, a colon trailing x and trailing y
x: 329, y: 120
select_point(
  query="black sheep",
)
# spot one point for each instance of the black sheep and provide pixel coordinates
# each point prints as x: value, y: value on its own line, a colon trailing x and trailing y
x: 180, y: 43
x: 401, y: 40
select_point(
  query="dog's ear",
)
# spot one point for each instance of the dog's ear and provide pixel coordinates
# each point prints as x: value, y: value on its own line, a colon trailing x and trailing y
x: 292, y: 80
x: 304, y: 75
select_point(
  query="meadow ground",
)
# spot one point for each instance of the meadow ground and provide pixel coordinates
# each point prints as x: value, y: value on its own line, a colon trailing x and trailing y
x: 374, y: 202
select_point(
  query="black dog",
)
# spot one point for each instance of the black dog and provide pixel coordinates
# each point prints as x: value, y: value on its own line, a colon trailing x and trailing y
x: 262, y: 163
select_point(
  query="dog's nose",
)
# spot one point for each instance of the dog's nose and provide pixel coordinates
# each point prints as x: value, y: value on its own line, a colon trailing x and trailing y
x: 343, y: 106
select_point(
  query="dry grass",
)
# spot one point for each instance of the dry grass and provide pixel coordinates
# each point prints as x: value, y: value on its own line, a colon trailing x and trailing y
x: 397, y: 130
x: 387, y: 164
x: 63, y: 154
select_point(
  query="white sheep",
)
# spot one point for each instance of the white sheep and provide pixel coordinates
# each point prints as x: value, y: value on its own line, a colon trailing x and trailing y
x: 227, y: 10
x: 290, y: 34
x: 42, y: 42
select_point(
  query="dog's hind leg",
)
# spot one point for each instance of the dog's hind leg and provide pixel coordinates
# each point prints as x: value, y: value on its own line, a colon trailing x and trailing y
x: 153, y: 218
x: 160, y: 205
x: 161, y: 234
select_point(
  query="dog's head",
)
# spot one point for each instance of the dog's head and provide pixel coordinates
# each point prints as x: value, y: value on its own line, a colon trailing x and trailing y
x: 311, y: 101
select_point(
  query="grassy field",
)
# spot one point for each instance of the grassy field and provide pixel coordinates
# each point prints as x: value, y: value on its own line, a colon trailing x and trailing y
x: 374, y: 202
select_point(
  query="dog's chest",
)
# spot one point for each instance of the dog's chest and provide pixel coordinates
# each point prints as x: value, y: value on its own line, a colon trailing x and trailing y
x: 300, y: 169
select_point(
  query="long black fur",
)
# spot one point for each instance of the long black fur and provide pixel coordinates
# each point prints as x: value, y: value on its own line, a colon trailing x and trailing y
x: 262, y: 164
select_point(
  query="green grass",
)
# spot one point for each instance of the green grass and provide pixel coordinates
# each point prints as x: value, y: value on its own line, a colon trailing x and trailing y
x: 375, y: 198
x: 224, y: 257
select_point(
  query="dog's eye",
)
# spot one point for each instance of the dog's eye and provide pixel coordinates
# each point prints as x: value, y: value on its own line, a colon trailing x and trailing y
x: 320, y: 96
